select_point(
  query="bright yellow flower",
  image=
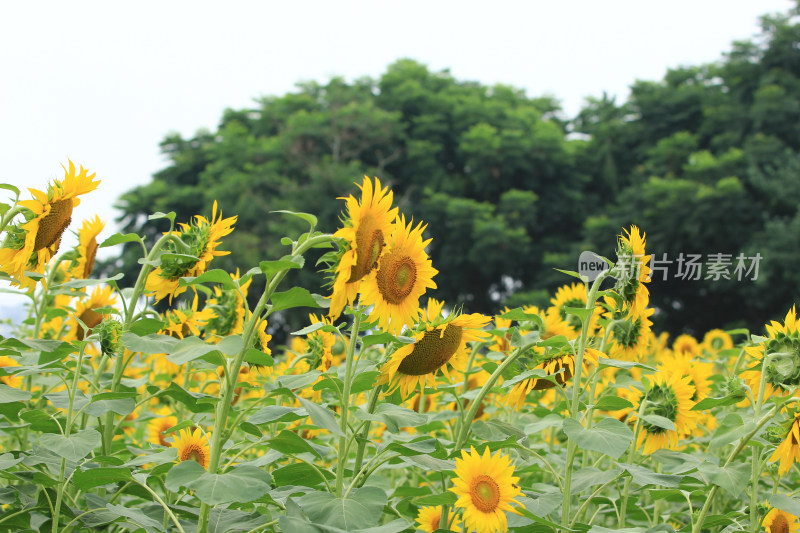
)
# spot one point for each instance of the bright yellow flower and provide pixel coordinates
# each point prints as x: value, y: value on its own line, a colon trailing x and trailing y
x: 670, y: 397
x: 428, y: 519
x: 193, y: 447
x: 789, y: 450
x: 778, y: 521
x: 368, y: 225
x: 87, y: 247
x: 486, y: 487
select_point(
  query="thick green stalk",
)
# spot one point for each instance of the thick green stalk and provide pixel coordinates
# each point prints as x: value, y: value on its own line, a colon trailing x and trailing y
x: 372, y: 403
x: 345, y: 407
x: 626, y: 491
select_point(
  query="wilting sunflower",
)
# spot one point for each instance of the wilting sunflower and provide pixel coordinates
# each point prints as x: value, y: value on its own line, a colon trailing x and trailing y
x: 228, y: 310
x: 91, y: 311
x: 633, y: 270
x: 486, y: 487
x: 428, y: 519
x: 192, y: 446
x: 789, y: 450
x: 778, y: 521
x: 404, y: 274
x: 202, y: 237
x: 438, y: 343
x: 29, y: 246
x: 367, y: 227
x: 561, y: 365
x: 670, y: 397
x: 87, y: 248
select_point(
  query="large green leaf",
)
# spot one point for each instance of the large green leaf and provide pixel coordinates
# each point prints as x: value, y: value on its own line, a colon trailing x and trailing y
x: 361, y: 509
x: 73, y: 448
x: 322, y: 417
x: 609, y: 436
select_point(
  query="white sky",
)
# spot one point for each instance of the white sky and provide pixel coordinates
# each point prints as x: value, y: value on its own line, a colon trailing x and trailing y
x: 103, y: 82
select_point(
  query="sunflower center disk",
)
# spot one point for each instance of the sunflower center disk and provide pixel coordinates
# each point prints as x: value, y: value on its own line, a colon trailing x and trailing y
x: 396, y: 277
x: 485, y: 493
x: 369, y: 244
x: 779, y: 525
x: 53, y: 224
x: 432, y: 351
x: 193, y: 453
x: 91, y: 318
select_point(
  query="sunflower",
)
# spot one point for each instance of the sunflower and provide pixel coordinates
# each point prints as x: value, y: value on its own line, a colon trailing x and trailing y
x: 202, y: 237
x: 87, y: 248
x: 428, y: 519
x: 686, y: 345
x: 436, y: 343
x: 486, y: 487
x: 699, y: 373
x: 670, y: 396
x: 630, y: 336
x: 560, y: 365
x: 368, y: 225
x: 778, y: 521
x: 553, y: 323
x: 12, y: 380
x: 186, y: 320
x: 404, y: 274
x: 29, y: 246
x: 716, y: 340
x: 192, y: 447
x: 782, y: 346
x: 633, y: 270
x: 573, y: 295
x: 158, y: 425
x: 789, y: 450
x: 91, y: 311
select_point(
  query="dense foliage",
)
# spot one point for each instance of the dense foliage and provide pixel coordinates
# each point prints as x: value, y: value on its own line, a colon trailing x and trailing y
x: 706, y: 159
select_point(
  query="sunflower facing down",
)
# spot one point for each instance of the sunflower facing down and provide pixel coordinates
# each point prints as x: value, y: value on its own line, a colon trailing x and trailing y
x: 29, y: 246
x: 670, y: 397
x: 437, y: 343
x: 192, y: 447
x: 202, y: 237
x: 91, y: 312
x: 781, y: 349
x: 404, y: 274
x: 87, y: 248
x: 789, y: 450
x: 367, y: 227
x: 778, y: 521
x: 634, y: 270
x: 486, y: 487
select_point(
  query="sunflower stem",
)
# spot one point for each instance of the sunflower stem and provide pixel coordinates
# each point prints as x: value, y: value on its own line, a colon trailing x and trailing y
x: 591, y: 298
x: 9, y: 216
x: 626, y: 490
x: 229, y: 383
x: 756, y: 473
x: 348, y: 378
x: 372, y: 403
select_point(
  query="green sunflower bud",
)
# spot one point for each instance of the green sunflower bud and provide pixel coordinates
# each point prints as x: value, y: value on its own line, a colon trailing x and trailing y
x: 736, y: 388
x: 110, y: 332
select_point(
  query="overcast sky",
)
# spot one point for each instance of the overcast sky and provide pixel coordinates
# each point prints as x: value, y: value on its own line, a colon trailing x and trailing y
x: 102, y: 83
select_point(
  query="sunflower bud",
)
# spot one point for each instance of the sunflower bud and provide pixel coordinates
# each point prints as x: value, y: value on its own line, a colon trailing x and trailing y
x: 110, y: 332
x: 775, y: 434
x: 736, y: 389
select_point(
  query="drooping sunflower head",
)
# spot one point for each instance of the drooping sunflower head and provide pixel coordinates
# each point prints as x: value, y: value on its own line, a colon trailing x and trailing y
x: 404, y: 274
x: 629, y: 337
x: 486, y: 488
x: 193, y: 446
x: 186, y: 320
x: 87, y: 248
x: 30, y: 245
x: 228, y: 310
x: 110, y: 332
x: 632, y: 270
x: 201, y: 238
x: 367, y: 227
x: 670, y: 397
x: 778, y: 521
x: 91, y: 311
x: 437, y: 344
x: 788, y: 452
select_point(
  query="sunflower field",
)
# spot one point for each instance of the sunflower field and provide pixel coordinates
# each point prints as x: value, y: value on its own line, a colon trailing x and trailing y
x: 390, y: 411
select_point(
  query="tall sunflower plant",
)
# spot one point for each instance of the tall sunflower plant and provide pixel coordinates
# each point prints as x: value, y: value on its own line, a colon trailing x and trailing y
x: 167, y: 406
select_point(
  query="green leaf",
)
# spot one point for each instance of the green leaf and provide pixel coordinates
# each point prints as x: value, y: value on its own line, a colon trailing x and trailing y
x: 311, y: 219
x: 240, y: 484
x: 190, y: 399
x: 183, y: 474
x: 605, y: 362
x: 291, y: 443
x: 362, y: 508
x: 430, y: 464
x: 443, y: 498
x: 122, y: 403
x: 120, y: 238
x: 732, y: 428
x: 733, y: 478
x: 216, y: 275
x: 10, y: 394
x: 287, y: 262
x: 300, y: 474
x: 257, y: 357
x: 609, y: 436
x: 394, y: 416
x: 95, y: 477
x: 710, y: 403
x: 322, y: 417
x: 82, y: 283
x: 189, y: 349
x: 426, y: 446
x: 9, y: 187
x: 146, y: 326
x: 659, y: 421
x: 294, y: 297
x: 277, y: 413
x: 159, y: 215
x: 314, y: 327
x: 581, y: 312
x: 149, y: 343
x: 136, y: 516
x: 612, y: 403
x: 785, y: 503
x: 72, y: 448
x: 644, y: 476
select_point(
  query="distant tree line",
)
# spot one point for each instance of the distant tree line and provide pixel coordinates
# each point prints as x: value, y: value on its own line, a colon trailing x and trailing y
x: 705, y: 161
